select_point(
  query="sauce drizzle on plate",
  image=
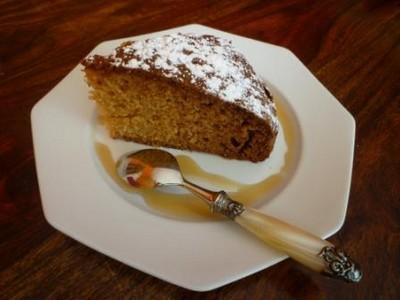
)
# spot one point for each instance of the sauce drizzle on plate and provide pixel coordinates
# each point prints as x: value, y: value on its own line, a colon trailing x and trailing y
x: 187, y: 206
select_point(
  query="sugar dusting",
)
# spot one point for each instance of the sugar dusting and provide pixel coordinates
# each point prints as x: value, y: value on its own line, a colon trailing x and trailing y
x: 205, y: 61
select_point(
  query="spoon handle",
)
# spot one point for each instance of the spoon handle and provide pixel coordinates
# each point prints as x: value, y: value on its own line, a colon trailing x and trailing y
x: 304, y: 247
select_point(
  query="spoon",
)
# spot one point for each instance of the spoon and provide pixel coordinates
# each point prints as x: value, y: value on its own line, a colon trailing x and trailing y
x: 152, y: 168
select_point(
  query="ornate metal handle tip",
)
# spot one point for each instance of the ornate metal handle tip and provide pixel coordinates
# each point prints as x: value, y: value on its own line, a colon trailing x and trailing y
x: 226, y: 206
x: 339, y: 265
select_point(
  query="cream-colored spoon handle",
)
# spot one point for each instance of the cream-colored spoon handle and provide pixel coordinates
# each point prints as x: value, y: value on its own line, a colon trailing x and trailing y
x: 298, y: 244
x: 306, y: 248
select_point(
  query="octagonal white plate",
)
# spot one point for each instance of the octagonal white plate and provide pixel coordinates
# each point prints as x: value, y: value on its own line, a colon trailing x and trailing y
x: 78, y: 200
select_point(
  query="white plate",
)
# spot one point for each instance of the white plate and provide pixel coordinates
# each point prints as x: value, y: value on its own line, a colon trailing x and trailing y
x: 78, y: 200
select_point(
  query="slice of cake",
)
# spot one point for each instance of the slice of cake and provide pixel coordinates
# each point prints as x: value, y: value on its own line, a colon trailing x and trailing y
x: 184, y: 91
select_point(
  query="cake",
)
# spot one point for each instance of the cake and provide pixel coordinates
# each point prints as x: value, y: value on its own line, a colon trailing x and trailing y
x: 184, y: 91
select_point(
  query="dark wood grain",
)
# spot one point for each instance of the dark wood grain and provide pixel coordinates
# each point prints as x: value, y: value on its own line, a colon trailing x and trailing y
x: 352, y: 47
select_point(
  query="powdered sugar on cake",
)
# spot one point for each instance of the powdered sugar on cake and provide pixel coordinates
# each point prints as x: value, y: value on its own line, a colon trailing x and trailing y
x: 205, y: 61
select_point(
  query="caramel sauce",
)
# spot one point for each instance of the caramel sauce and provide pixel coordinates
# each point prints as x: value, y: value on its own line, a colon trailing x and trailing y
x: 187, y: 206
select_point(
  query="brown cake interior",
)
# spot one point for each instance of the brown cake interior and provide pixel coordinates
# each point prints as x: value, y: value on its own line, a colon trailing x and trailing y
x: 151, y: 110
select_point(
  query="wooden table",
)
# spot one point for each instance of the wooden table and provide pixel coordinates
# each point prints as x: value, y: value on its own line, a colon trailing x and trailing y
x: 352, y: 47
